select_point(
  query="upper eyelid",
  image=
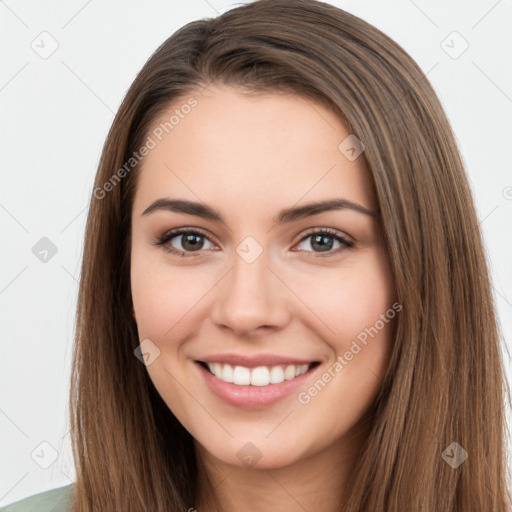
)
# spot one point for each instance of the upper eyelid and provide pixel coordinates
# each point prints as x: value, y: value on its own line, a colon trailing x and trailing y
x: 182, y: 231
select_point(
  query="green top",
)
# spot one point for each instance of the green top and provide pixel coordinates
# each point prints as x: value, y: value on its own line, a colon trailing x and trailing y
x: 54, y: 500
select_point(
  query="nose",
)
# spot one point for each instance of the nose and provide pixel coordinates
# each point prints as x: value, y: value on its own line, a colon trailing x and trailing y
x: 250, y: 299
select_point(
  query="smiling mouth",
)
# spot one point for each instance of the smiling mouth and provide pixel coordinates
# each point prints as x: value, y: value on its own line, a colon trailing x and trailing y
x: 258, y: 376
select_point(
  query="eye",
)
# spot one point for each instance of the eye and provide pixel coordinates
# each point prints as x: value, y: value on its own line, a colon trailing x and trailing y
x: 323, y: 240
x: 190, y: 240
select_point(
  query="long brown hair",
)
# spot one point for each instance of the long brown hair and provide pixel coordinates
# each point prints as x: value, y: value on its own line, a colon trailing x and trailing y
x: 445, y: 383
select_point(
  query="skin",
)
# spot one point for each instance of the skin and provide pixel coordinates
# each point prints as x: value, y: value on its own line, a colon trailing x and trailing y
x: 248, y: 157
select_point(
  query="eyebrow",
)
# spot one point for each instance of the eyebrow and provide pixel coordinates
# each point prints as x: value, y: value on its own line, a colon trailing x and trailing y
x: 285, y: 216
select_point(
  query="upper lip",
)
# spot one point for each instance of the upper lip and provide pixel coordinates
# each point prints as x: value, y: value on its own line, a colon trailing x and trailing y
x: 254, y: 361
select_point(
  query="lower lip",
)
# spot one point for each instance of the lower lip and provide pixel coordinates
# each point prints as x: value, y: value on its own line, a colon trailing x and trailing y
x: 253, y: 397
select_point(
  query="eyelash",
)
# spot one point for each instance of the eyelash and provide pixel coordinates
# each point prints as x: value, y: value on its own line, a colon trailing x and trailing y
x: 166, y: 237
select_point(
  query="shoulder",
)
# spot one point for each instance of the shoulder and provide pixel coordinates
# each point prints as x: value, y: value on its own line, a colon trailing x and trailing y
x: 54, y: 500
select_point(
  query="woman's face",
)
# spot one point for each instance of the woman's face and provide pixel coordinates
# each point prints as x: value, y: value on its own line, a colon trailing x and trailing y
x: 258, y: 295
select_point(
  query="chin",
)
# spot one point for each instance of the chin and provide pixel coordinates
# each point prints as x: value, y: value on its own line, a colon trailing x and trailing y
x: 255, y: 453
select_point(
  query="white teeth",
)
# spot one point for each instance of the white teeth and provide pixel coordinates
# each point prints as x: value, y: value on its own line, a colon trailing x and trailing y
x: 259, y: 376
x: 276, y: 375
x: 289, y: 373
x: 227, y: 373
x: 217, y: 368
x: 241, y: 376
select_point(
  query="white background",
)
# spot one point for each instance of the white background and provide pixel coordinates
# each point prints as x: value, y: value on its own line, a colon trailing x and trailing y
x: 55, y: 114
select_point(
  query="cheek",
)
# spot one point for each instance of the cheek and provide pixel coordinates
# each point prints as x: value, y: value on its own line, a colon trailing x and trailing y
x: 359, y: 312
x: 159, y: 304
x: 155, y: 308
x: 353, y: 300
x: 166, y: 300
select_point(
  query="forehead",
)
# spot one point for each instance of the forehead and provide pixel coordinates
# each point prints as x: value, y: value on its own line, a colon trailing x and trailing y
x: 258, y: 151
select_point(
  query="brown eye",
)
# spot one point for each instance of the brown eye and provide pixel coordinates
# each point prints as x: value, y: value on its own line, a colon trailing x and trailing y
x: 190, y: 242
x: 324, y: 241
x: 184, y: 241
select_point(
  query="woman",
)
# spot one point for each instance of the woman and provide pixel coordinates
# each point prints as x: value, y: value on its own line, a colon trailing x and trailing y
x: 284, y: 301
